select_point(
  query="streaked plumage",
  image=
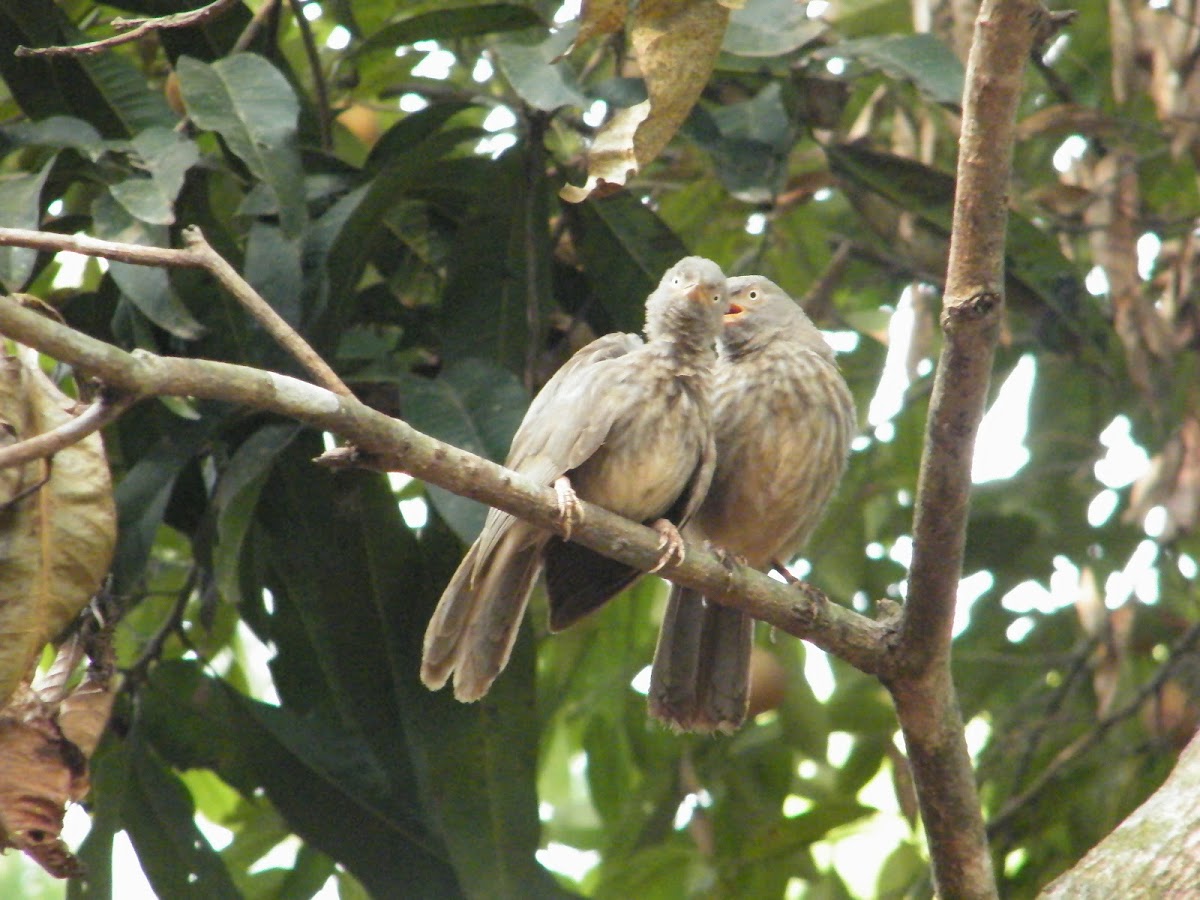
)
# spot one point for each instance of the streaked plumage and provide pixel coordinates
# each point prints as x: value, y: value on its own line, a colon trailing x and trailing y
x: 783, y: 419
x: 627, y: 422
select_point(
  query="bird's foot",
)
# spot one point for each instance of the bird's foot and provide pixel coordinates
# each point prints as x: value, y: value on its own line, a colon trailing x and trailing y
x: 670, y: 542
x: 784, y: 572
x: 813, y: 594
x: 570, y: 513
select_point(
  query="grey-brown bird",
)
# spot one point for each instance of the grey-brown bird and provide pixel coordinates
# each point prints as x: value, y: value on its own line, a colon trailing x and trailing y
x: 624, y: 424
x: 783, y: 419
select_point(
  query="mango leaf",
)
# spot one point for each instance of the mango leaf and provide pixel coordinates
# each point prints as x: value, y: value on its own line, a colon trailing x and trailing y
x: 473, y: 404
x: 330, y: 597
x: 631, y: 246
x: 159, y: 816
x: 148, y: 288
x: 749, y: 143
x: 59, y: 527
x: 312, y: 773
x: 498, y: 279
x: 450, y: 24
x: 21, y: 207
x: 676, y: 43
x: 56, y: 131
x: 1038, y: 274
x: 477, y: 763
x: 250, y: 104
x: 235, y: 498
x: 534, y: 74
x: 922, y: 59
x: 770, y: 28
x: 166, y: 156
x: 104, y: 89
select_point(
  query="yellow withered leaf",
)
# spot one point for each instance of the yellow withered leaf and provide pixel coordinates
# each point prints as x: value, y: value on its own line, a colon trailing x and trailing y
x: 57, y: 521
x: 676, y: 43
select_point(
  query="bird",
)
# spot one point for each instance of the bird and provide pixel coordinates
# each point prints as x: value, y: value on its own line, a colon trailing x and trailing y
x: 783, y: 419
x: 624, y: 424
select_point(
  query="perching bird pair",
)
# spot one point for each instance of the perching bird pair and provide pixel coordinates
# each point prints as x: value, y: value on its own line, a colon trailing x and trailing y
x: 744, y: 447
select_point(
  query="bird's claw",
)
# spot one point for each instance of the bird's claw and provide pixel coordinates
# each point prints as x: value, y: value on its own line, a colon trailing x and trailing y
x: 670, y: 542
x: 570, y: 513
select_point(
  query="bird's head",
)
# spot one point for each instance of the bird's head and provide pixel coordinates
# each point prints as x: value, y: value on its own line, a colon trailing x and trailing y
x: 688, y: 302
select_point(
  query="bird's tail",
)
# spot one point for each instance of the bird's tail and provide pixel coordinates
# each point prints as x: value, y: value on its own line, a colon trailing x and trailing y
x: 473, y: 629
x: 701, y: 673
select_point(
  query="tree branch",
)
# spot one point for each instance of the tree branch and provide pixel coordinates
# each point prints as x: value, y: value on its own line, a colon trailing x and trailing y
x: 106, y: 408
x: 198, y: 254
x: 800, y: 611
x: 920, y: 681
x: 132, y: 30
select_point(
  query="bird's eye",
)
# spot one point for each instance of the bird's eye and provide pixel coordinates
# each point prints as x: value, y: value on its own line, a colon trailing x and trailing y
x: 753, y: 295
x: 675, y: 280
x: 716, y: 298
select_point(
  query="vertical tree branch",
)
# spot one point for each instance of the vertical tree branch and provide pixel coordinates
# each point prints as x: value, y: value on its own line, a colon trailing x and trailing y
x: 921, y: 682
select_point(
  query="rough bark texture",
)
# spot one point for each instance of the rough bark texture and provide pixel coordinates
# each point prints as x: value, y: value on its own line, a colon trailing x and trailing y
x: 919, y: 672
x: 1155, y: 853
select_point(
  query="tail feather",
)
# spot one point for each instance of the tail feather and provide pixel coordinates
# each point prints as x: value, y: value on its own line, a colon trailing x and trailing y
x: 724, y: 674
x: 672, y: 697
x: 580, y: 581
x: 472, y: 631
x: 701, y: 673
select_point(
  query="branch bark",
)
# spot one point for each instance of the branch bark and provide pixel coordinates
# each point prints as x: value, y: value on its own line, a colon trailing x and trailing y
x: 919, y: 677
x: 800, y: 611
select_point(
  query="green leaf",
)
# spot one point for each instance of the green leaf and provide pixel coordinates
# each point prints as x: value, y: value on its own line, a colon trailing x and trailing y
x: 627, y: 242
x: 236, y: 497
x: 59, y: 132
x: 21, y: 207
x: 303, y: 512
x: 147, y: 287
x: 252, y: 106
x: 166, y: 156
x: 104, y: 89
x: 498, y: 281
x: 770, y: 28
x: 315, y: 776
x: 450, y: 24
x: 922, y: 59
x: 158, y: 814
x: 472, y: 404
x: 535, y: 76
x: 749, y: 143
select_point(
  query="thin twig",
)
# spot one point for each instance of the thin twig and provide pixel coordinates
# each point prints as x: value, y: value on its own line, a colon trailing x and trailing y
x: 134, y: 29
x: 106, y: 408
x: 154, y: 647
x: 254, y: 26
x: 1085, y: 742
x: 324, y: 128
x: 198, y: 254
x: 275, y: 325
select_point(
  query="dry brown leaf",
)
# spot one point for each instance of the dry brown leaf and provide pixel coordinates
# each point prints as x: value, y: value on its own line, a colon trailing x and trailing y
x: 57, y: 522
x: 39, y: 773
x: 676, y: 43
x: 599, y: 17
x: 46, y: 740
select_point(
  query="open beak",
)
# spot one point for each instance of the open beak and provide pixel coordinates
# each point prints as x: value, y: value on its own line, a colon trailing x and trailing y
x: 732, y: 313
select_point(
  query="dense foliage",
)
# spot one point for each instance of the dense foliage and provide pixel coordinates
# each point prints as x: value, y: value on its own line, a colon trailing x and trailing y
x: 393, y: 192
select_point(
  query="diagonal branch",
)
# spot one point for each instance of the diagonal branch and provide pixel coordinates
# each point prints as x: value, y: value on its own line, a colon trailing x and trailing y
x: 802, y: 612
x: 198, y: 254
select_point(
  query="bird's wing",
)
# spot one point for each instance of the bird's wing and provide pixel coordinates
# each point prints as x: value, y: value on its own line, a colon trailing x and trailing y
x: 565, y: 424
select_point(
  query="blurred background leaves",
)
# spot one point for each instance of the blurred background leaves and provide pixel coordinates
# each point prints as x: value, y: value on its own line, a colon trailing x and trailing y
x: 388, y: 175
